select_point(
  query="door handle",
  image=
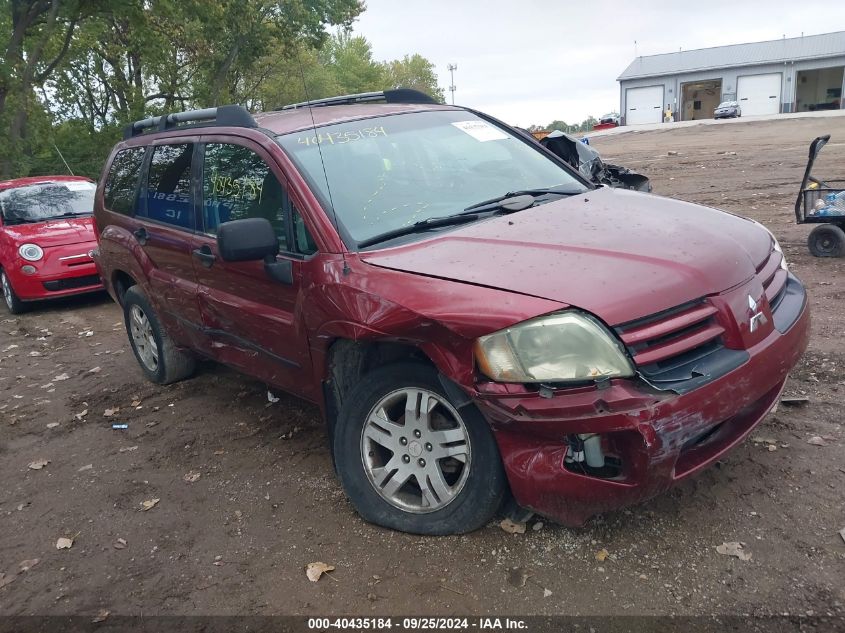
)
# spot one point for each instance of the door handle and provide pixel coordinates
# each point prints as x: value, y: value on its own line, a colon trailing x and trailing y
x: 204, y: 254
x: 141, y: 235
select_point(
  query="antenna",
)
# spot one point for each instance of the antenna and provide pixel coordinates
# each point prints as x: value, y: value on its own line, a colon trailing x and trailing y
x: 452, y: 68
x: 346, y: 269
x: 58, y: 151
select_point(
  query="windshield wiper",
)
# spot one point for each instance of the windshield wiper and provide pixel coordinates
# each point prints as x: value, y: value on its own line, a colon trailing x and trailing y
x: 70, y: 214
x: 418, y: 227
x: 496, y: 203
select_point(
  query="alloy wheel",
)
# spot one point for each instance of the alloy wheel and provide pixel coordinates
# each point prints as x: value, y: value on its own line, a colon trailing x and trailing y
x: 142, y: 336
x: 416, y: 450
x: 7, y: 290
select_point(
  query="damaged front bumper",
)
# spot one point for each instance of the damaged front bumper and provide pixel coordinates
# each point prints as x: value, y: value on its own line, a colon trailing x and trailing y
x: 653, y: 438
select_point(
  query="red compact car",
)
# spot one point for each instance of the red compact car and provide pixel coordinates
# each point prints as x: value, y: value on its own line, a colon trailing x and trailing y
x: 46, y: 237
x: 476, y: 320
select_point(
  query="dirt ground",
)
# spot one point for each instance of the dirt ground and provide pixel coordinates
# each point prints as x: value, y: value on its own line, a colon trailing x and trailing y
x: 261, y: 499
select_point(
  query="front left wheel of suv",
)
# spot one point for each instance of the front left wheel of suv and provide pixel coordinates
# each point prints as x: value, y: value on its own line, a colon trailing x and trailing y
x: 410, y: 460
x: 159, y: 358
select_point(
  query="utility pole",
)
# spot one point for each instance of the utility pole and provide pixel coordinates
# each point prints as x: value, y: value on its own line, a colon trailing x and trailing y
x: 452, y: 68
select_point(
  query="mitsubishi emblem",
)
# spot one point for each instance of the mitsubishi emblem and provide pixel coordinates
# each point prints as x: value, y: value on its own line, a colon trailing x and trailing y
x: 757, y: 317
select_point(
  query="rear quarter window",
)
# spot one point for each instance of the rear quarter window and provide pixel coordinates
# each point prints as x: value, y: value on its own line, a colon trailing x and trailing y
x: 121, y: 189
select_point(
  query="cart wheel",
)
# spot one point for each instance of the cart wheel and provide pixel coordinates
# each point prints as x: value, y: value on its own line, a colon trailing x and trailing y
x: 827, y: 240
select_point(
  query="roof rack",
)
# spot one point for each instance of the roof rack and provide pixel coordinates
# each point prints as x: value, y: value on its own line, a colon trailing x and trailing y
x: 399, y: 95
x: 228, y: 115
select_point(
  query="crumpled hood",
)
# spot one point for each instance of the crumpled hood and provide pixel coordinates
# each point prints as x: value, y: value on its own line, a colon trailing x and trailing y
x: 53, y: 232
x: 618, y: 254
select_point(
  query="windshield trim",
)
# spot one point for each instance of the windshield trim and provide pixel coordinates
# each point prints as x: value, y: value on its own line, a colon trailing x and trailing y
x: 349, y: 242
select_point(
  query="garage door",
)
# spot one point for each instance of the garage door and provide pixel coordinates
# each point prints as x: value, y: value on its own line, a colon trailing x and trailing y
x: 644, y: 105
x: 759, y: 94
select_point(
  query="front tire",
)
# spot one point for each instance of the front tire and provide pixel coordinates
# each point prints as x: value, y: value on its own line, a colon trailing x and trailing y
x: 160, y: 360
x: 827, y: 240
x: 13, y: 303
x: 409, y: 460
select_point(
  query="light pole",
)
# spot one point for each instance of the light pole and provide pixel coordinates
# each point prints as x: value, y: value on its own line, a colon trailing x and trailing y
x: 452, y: 68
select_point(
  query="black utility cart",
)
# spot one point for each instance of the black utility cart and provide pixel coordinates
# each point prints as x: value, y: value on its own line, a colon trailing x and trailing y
x: 822, y: 203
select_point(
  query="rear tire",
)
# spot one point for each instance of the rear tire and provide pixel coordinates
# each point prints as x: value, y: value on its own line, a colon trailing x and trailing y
x: 13, y: 304
x: 827, y: 240
x: 409, y: 460
x: 160, y: 360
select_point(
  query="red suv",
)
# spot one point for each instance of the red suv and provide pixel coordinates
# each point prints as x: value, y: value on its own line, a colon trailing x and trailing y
x: 474, y: 319
x: 46, y: 236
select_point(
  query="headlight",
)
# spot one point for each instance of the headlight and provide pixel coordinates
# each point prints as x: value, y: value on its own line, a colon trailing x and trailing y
x: 31, y: 252
x: 563, y: 347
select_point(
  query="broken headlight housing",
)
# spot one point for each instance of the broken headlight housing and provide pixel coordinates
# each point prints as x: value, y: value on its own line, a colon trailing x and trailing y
x: 564, y: 347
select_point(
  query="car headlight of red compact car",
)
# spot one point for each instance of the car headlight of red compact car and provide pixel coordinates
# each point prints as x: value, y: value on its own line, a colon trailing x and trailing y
x: 30, y: 252
x: 562, y: 347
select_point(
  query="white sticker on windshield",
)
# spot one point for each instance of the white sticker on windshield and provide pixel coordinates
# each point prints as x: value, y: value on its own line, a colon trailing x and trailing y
x: 480, y: 130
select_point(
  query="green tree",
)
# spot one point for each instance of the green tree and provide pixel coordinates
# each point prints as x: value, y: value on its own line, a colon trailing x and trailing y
x: 36, y: 36
x: 413, y: 71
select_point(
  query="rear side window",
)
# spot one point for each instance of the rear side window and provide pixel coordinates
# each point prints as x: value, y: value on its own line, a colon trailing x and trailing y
x: 169, y: 197
x: 121, y: 185
x: 237, y: 184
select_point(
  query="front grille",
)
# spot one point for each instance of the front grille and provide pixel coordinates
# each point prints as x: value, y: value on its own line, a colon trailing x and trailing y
x: 71, y: 283
x: 658, y: 340
x: 682, y: 348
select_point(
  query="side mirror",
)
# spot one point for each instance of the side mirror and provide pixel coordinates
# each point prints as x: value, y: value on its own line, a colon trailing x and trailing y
x: 246, y: 240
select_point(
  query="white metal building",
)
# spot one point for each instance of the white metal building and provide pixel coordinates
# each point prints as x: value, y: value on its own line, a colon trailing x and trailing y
x: 796, y: 74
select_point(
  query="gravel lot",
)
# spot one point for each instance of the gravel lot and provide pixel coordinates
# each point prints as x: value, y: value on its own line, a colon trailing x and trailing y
x: 247, y: 495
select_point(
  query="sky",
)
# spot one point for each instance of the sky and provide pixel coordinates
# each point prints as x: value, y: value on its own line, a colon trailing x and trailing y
x: 535, y: 61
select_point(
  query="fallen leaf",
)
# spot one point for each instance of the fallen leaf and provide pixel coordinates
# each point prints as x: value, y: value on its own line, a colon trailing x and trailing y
x: 94, y: 370
x: 61, y: 377
x: 764, y: 440
x: 35, y: 353
x: 135, y: 403
x: 546, y: 593
x: 220, y: 452
x: 85, y: 467
x: 110, y: 412
x: 119, y: 544
x: 602, y: 555
x: 315, y: 570
x: 101, y: 616
x: 271, y: 397
x: 26, y: 565
x: 842, y: 533
x: 817, y: 441
x: 52, y: 425
x: 38, y: 464
x: 81, y: 414
x: 64, y: 543
x: 149, y: 504
x: 191, y: 476
x: 733, y: 549
x: 127, y: 449
x: 511, y: 527
x: 772, y: 448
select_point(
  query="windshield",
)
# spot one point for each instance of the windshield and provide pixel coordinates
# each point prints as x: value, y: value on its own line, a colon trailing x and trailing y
x: 47, y: 200
x: 727, y: 104
x: 389, y: 172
